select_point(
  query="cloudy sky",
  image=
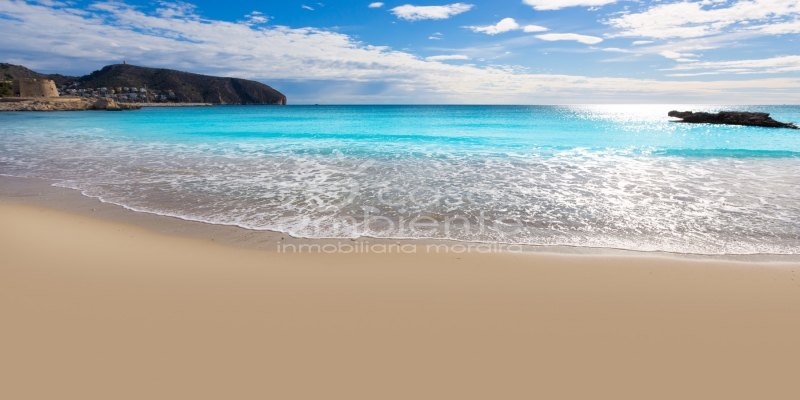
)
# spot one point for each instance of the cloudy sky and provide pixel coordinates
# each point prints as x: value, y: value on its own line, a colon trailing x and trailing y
x: 478, y: 52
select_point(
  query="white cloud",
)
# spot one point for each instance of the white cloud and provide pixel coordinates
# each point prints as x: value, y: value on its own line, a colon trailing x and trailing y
x: 615, y: 50
x: 559, y: 4
x: 506, y: 25
x: 781, y: 64
x: 375, y: 5
x: 690, y: 19
x: 416, y: 13
x: 782, y: 28
x: 170, y: 10
x: 77, y: 40
x: 307, y: 7
x: 679, y: 57
x: 257, y: 17
x: 694, y: 74
x: 448, y: 57
x: 551, y: 37
x: 641, y: 42
x: 675, y: 55
x: 534, y: 28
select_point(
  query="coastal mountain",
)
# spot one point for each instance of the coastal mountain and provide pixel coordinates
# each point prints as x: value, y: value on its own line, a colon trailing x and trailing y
x: 187, y: 87
x: 11, y: 72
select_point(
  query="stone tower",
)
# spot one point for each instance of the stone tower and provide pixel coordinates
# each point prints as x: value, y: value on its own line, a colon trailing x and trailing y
x: 37, y: 88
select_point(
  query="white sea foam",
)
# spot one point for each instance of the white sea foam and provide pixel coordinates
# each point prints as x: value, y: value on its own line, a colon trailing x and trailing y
x: 630, y: 197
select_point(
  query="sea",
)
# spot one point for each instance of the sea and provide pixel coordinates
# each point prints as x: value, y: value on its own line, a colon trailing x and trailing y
x: 598, y: 176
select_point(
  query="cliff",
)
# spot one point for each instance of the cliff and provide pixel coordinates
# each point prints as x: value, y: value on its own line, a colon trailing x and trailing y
x: 187, y: 87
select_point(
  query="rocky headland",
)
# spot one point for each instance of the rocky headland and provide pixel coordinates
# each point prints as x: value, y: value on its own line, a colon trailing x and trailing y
x: 731, y: 118
x: 169, y: 85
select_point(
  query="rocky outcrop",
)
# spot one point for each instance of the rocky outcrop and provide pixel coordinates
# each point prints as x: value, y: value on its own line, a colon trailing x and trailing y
x: 66, y: 105
x: 105, y: 104
x: 111, y: 105
x: 731, y: 118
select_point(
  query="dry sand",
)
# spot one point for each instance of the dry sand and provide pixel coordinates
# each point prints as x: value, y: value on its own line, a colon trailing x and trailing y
x: 97, y: 309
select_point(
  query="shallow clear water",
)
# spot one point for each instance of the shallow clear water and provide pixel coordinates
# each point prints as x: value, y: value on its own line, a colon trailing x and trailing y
x: 600, y: 176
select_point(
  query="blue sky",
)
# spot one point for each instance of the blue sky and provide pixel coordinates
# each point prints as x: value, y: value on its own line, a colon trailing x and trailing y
x: 486, y: 52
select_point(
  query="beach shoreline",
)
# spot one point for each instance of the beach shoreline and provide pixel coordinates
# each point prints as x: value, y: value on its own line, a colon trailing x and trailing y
x: 92, y: 304
x: 43, y: 193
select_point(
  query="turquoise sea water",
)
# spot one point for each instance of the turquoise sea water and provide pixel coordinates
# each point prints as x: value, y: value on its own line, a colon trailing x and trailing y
x: 600, y: 176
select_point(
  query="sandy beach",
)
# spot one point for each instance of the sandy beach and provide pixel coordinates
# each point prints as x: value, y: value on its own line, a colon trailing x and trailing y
x: 430, y: 200
x: 95, y: 308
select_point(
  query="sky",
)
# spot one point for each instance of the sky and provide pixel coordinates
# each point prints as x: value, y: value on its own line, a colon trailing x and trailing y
x: 433, y: 52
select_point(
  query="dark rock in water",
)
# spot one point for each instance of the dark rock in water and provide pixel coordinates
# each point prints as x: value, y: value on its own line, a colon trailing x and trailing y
x: 731, y: 118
